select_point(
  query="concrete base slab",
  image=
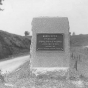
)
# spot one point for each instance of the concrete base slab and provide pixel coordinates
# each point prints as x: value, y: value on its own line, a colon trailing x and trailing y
x: 42, y: 70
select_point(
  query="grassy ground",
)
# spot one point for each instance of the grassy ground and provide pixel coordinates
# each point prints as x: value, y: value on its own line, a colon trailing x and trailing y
x: 24, y: 78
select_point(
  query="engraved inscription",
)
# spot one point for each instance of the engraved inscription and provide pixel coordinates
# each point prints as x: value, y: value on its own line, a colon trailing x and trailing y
x: 50, y: 42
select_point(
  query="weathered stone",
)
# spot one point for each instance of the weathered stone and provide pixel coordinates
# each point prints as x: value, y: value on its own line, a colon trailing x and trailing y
x: 50, y: 42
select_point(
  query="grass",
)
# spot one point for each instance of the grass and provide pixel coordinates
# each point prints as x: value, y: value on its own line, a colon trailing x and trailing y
x: 25, y: 78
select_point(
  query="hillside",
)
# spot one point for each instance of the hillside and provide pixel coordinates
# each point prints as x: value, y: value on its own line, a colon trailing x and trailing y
x: 79, y: 40
x: 12, y: 44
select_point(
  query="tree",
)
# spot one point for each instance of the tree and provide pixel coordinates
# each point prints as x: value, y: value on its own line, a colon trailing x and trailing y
x: 26, y: 33
x: 1, y: 4
x: 69, y: 33
x: 73, y: 33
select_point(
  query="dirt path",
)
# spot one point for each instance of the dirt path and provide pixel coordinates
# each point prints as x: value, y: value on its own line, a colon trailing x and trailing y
x: 12, y: 64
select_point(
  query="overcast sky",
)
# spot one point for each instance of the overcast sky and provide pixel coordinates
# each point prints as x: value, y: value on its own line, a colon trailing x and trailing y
x: 18, y: 14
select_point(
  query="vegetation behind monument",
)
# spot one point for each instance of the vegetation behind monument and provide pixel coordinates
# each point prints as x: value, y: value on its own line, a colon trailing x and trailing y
x: 13, y: 45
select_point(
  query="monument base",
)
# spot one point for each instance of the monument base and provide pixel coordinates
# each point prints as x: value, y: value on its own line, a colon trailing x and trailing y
x: 54, y: 72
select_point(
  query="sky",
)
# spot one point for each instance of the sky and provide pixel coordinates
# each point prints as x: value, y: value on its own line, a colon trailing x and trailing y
x: 18, y: 14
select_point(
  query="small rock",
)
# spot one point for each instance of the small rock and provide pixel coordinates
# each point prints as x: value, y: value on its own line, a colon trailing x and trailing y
x: 23, y: 87
x: 78, y: 83
x: 7, y: 84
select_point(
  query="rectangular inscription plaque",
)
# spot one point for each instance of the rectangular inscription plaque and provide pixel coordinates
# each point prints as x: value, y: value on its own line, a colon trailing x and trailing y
x: 51, y: 41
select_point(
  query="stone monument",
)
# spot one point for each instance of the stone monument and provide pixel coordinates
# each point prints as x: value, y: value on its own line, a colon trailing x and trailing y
x: 50, y: 42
